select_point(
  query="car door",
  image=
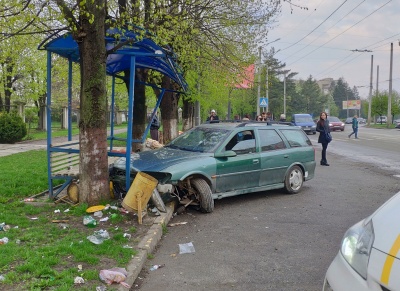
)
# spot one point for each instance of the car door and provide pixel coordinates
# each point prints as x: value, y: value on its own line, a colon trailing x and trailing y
x: 243, y: 170
x: 274, y: 156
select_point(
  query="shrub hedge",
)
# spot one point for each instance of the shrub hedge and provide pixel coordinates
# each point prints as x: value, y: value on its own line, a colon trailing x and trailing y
x: 12, y: 127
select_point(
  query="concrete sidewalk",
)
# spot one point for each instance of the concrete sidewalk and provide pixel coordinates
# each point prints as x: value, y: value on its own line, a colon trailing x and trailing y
x: 10, y: 149
x: 29, y: 145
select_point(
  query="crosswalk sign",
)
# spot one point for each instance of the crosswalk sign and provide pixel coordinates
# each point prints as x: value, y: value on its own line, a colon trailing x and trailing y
x: 263, y: 102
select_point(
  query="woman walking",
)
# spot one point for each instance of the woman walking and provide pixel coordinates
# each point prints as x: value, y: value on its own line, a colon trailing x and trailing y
x: 323, y: 129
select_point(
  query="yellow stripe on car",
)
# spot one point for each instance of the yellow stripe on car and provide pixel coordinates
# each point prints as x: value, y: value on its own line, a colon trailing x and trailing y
x: 387, y: 267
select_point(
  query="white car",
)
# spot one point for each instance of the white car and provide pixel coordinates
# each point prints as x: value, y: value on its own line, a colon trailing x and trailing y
x: 381, y: 119
x: 369, y: 257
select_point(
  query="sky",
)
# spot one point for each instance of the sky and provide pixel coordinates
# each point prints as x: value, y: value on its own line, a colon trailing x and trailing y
x: 321, y: 41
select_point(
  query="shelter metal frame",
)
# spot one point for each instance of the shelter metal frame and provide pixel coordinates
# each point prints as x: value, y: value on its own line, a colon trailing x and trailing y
x: 149, y: 55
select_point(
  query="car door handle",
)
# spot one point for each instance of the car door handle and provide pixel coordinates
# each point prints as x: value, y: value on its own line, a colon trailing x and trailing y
x: 286, y: 156
x: 256, y: 161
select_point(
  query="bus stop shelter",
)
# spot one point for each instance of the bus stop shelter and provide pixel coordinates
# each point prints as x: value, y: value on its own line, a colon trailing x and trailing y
x: 135, y: 52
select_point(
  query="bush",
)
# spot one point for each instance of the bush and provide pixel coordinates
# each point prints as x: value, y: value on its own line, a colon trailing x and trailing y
x: 12, y: 128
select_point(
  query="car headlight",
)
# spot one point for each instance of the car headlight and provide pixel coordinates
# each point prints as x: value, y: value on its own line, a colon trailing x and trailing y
x: 314, y: 126
x: 356, y: 246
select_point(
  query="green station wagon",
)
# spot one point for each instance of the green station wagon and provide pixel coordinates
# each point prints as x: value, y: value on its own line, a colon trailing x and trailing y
x: 213, y: 161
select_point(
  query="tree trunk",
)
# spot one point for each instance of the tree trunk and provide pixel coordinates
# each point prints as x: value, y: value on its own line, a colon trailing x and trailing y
x: 94, y: 180
x: 169, y: 112
x: 139, y: 110
x: 187, y: 114
x: 8, y: 85
x: 41, y: 105
x: 139, y: 107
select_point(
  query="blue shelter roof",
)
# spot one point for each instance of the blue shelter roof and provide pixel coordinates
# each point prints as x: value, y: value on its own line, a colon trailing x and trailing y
x: 147, y: 54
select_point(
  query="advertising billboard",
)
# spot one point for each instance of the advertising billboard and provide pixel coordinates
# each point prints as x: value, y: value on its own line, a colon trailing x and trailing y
x: 352, y: 104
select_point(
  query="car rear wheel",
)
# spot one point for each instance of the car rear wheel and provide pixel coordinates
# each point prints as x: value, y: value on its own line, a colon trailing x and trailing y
x: 294, y: 180
x: 204, y: 195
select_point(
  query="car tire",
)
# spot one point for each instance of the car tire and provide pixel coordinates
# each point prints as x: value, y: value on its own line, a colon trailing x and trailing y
x: 294, y: 180
x: 205, y: 195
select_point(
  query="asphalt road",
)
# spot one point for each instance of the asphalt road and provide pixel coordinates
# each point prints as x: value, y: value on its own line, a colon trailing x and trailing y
x: 274, y: 241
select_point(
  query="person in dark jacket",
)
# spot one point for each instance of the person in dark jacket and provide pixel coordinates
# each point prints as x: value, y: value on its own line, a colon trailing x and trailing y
x: 154, y: 126
x: 323, y: 128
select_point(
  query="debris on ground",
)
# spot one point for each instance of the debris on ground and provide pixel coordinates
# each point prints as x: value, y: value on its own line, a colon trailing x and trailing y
x: 99, y: 236
x: 4, y: 226
x: 155, y: 267
x: 178, y: 223
x: 186, y: 248
x: 114, y: 275
x: 89, y: 221
x: 4, y: 241
x: 79, y: 280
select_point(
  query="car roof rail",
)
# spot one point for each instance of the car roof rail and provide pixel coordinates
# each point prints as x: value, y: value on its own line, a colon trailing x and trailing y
x: 242, y: 123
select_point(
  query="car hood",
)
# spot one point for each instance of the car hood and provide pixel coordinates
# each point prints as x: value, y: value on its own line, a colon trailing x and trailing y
x: 386, y: 222
x: 158, y: 160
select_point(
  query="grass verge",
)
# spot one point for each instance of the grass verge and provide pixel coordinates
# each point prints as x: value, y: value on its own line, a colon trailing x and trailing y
x: 47, y: 242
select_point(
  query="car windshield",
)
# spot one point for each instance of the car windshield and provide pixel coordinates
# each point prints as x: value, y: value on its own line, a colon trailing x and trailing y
x: 199, y: 139
x: 334, y: 119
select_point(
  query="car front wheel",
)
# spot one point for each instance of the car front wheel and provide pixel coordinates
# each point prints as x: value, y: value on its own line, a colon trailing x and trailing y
x: 204, y: 195
x: 294, y: 180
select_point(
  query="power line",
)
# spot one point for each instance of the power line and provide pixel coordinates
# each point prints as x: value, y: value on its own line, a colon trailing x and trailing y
x: 328, y: 28
x: 316, y: 27
x: 342, y: 32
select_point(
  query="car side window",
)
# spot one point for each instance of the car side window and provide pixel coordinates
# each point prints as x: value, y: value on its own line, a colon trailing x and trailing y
x: 296, y: 138
x: 242, y: 143
x: 270, y: 140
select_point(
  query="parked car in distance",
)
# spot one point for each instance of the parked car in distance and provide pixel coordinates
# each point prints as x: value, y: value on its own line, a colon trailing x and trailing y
x: 213, y: 161
x: 369, y: 257
x: 304, y: 121
x: 396, y: 122
x: 361, y: 120
x: 381, y: 119
x: 349, y: 120
x: 335, y: 123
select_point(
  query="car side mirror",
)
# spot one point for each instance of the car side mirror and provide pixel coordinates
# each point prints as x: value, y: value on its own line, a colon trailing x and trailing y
x: 225, y: 154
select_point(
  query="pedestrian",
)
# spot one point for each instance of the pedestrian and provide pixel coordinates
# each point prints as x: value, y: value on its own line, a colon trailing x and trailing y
x: 246, y: 117
x: 213, y: 117
x: 354, y: 126
x: 154, y: 126
x: 263, y: 117
x: 282, y: 118
x: 323, y: 129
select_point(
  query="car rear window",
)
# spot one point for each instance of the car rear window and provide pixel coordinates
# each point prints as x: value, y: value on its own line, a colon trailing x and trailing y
x: 296, y: 138
x: 270, y: 140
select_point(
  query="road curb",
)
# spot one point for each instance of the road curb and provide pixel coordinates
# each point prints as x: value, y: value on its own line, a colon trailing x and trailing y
x: 147, y: 245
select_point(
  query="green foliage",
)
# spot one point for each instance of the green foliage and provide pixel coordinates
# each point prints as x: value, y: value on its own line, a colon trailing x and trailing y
x: 12, y: 128
x: 309, y: 98
x: 342, y: 92
x: 379, y: 105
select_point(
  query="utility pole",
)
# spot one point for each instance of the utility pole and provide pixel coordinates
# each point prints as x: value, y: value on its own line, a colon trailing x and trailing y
x: 370, y: 90
x: 267, y: 88
x: 284, y: 94
x: 259, y: 81
x: 389, y: 111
